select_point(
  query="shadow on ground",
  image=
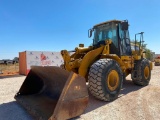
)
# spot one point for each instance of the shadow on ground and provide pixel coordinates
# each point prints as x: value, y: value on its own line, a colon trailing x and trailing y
x: 128, y: 87
x: 10, y: 76
x: 13, y: 111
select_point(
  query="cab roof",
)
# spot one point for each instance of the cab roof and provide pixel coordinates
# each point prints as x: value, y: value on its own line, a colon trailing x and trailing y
x: 115, y: 21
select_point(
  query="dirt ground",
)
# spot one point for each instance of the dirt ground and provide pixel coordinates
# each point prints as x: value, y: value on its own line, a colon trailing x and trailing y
x: 133, y: 103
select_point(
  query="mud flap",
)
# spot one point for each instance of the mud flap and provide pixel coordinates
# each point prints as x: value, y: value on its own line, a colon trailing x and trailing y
x: 53, y: 93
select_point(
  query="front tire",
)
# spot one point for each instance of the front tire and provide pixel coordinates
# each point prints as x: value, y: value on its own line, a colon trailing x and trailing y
x: 105, y: 79
x: 141, y: 74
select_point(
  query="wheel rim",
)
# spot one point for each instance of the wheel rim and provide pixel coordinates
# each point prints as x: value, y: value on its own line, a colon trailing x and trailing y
x: 146, y: 72
x: 113, y: 80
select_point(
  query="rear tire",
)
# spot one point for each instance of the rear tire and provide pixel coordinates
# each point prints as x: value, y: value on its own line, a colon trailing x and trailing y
x: 105, y: 79
x: 142, y: 72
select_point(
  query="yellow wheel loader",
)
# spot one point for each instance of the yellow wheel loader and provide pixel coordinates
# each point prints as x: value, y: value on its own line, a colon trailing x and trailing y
x: 56, y: 94
x: 157, y: 61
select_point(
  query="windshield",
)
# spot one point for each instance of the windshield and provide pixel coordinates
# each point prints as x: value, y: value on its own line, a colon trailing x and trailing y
x: 104, y: 32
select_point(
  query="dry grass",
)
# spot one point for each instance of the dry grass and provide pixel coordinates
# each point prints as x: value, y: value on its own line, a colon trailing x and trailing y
x: 9, y: 69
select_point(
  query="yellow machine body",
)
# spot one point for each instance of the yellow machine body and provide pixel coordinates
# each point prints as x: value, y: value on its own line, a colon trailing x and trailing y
x: 83, y: 58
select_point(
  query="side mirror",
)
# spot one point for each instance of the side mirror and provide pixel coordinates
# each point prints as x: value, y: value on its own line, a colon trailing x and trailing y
x: 90, y: 33
x: 124, y: 25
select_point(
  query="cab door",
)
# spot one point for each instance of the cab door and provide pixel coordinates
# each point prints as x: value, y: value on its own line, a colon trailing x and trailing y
x: 124, y: 42
x: 125, y: 48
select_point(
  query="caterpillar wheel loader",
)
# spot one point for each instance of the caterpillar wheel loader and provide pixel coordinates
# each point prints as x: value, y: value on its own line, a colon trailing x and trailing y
x: 54, y: 93
x: 157, y: 61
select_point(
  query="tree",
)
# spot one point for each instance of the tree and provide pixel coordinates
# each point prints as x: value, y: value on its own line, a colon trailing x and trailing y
x: 149, y: 54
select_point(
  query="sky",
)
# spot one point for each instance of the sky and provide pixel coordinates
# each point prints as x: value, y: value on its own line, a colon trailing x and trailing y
x: 54, y: 25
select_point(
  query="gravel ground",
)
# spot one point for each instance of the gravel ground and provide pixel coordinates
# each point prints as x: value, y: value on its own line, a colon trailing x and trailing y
x: 134, y: 102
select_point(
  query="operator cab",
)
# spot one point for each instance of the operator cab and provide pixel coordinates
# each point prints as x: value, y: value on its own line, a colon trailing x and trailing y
x: 114, y: 30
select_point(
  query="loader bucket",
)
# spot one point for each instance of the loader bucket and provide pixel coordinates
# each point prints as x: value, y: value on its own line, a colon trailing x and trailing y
x: 53, y: 93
